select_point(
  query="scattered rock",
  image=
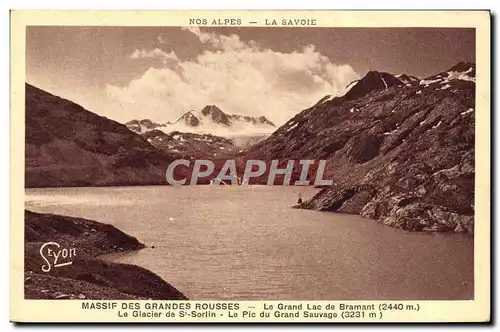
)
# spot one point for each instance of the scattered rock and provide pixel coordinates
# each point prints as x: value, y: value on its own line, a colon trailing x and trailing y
x: 61, y: 296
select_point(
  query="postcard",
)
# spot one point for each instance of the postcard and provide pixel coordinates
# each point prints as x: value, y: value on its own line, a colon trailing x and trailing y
x: 250, y: 166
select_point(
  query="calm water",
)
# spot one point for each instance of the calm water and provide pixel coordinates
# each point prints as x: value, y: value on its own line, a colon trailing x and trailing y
x: 245, y: 242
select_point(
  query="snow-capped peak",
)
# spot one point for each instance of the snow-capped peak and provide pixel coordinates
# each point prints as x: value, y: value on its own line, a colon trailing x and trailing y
x: 213, y: 120
x: 189, y: 119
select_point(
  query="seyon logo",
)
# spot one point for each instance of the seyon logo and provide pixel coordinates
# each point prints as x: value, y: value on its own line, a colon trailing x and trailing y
x: 56, y: 255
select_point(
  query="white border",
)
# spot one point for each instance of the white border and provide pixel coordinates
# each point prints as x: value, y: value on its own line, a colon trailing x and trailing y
x: 185, y: 4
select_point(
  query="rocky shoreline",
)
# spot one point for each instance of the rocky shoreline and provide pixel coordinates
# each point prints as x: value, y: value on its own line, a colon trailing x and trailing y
x: 407, y: 211
x: 81, y: 274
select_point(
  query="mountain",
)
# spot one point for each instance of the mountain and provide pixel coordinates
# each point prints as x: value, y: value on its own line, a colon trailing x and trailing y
x: 190, y: 145
x: 210, y: 120
x: 67, y: 145
x: 212, y: 115
x: 216, y: 115
x: 373, y: 81
x: 188, y: 119
x: 398, y: 153
x: 407, y: 79
x: 141, y: 126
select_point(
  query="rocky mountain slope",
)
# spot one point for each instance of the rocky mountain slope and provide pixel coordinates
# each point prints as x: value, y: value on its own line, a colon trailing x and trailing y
x: 210, y: 119
x: 399, y: 151
x: 190, y: 145
x: 67, y: 145
x: 87, y: 277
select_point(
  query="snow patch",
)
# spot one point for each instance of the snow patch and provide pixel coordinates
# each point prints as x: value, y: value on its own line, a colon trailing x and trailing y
x: 385, y: 83
x: 203, y: 139
x: 292, y: 127
x: 426, y: 83
x: 438, y: 124
x: 470, y: 110
x: 327, y: 99
x: 387, y: 133
x: 461, y: 75
x: 346, y: 89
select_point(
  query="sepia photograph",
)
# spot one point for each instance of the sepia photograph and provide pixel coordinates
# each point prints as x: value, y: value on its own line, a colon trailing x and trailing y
x: 389, y: 113
x: 224, y: 167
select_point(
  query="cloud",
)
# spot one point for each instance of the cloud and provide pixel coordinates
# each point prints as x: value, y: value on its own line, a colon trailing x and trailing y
x: 218, y: 41
x: 154, y: 54
x: 238, y: 76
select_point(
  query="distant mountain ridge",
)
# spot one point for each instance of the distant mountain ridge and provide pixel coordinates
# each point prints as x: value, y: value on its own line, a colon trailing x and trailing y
x: 211, y: 119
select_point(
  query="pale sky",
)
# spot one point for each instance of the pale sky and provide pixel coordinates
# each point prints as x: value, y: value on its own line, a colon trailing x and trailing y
x: 159, y: 73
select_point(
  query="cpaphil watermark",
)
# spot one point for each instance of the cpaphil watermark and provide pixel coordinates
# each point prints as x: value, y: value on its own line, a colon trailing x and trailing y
x: 252, y: 169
